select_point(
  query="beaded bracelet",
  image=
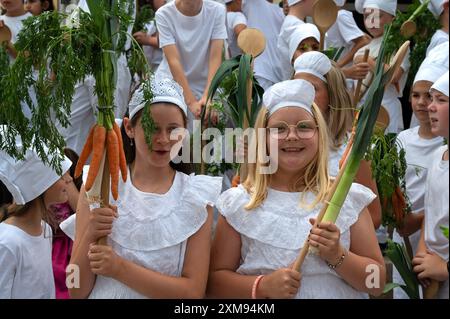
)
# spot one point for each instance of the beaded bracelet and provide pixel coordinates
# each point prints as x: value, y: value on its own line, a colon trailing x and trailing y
x: 255, y: 285
x: 340, y: 261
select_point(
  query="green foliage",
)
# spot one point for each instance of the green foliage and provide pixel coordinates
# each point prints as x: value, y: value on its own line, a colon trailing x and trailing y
x: 426, y: 25
x: 52, y: 58
x: 147, y: 122
x: 444, y: 231
x: 388, y: 169
x: 399, y: 257
x: 144, y: 17
x: 230, y: 82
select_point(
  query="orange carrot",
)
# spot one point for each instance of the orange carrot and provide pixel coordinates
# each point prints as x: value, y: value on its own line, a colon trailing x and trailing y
x: 395, y: 207
x: 401, y: 205
x: 236, y: 180
x: 97, y: 154
x: 87, y: 149
x: 122, y: 159
x: 112, y: 152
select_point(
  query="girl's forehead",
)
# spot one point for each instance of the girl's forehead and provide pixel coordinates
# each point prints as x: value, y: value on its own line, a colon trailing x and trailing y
x: 290, y: 114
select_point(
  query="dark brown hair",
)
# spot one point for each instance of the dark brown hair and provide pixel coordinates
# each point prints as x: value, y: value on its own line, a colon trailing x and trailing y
x: 130, y: 149
x: 73, y: 156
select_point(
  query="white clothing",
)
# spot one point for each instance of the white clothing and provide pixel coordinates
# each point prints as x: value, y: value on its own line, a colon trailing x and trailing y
x: 437, y: 210
x: 233, y: 20
x: 343, y: 33
x: 288, y: 27
x: 152, y: 230
x: 418, y: 155
x: 154, y: 55
x: 273, y: 234
x: 268, y: 18
x: 192, y: 36
x: 15, y: 24
x: 438, y: 38
x: 26, y: 264
x: 391, y: 96
x: 334, y: 158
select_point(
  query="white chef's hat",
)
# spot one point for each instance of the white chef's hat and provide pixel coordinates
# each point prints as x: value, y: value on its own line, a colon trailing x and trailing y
x: 29, y: 178
x: 302, y: 32
x: 434, y: 65
x: 389, y: 6
x: 340, y: 3
x: 436, y: 7
x: 227, y: 1
x: 292, y: 93
x: 292, y: 2
x: 164, y: 91
x: 315, y: 63
x: 441, y: 84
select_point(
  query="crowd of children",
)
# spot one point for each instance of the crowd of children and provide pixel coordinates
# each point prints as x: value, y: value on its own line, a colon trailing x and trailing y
x: 161, y: 238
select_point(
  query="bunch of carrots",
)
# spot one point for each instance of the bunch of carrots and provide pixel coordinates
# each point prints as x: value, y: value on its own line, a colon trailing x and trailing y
x: 104, y: 136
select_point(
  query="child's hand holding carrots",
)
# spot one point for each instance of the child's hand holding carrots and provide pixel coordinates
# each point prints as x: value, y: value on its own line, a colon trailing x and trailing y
x: 100, y: 222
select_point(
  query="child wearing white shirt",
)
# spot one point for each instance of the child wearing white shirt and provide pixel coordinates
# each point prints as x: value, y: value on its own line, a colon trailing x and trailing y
x: 419, y: 144
x: 432, y: 253
x: 268, y: 18
x: 377, y: 14
x: 346, y: 34
x: 191, y: 35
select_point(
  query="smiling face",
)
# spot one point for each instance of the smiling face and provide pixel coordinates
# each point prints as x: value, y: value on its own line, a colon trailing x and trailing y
x: 438, y: 112
x: 294, y: 152
x: 420, y: 99
x: 169, y: 120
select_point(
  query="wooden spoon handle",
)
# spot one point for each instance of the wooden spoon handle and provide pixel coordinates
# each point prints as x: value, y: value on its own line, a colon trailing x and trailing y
x: 359, y: 84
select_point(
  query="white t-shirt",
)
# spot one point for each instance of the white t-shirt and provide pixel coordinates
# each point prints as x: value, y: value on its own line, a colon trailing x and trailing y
x: 418, y: 155
x: 154, y: 55
x: 439, y: 37
x: 391, y: 96
x: 233, y: 20
x: 192, y: 36
x: 26, y: 264
x: 343, y: 33
x: 15, y: 24
x: 268, y: 18
x: 437, y: 210
x: 288, y: 27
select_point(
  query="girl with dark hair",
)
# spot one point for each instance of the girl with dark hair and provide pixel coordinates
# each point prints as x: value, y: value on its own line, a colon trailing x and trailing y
x: 159, y: 235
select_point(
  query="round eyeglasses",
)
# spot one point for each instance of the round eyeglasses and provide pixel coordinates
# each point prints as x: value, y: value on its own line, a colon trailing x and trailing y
x: 305, y: 130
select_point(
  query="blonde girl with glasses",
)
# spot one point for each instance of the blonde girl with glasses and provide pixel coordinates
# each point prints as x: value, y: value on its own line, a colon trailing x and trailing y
x: 265, y: 221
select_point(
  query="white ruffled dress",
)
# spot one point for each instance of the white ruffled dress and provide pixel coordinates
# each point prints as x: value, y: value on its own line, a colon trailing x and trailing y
x: 152, y: 230
x: 273, y: 234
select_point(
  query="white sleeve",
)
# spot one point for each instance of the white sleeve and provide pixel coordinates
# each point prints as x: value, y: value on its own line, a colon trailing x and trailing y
x: 151, y: 28
x: 238, y: 19
x: 7, y: 272
x: 220, y: 26
x: 348, y: 27
x: 406, y: 64
x: 166, y: 34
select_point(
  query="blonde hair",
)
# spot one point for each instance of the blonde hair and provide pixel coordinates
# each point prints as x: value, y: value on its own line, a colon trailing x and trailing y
x: 315, y: 178
x: 341, y: 112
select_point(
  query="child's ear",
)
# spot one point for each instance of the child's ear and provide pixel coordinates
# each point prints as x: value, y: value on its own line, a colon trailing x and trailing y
x: 128, y: 127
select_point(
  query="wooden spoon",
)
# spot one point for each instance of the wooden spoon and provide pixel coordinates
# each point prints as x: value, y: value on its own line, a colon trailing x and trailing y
x: 398, y: 60
x: 409, y: 27
x: 5, y: 34
x: 252, y: 41
x: 324, y: 16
